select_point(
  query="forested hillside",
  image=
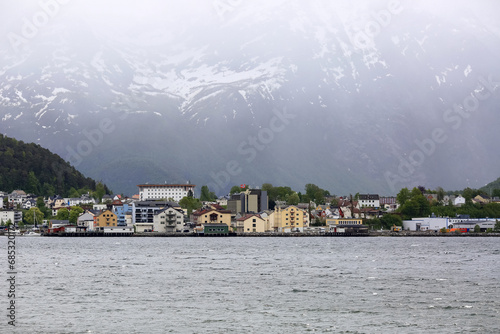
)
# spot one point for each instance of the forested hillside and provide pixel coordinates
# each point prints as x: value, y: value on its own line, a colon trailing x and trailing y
x: 38, y: 171
x: 492, y: 188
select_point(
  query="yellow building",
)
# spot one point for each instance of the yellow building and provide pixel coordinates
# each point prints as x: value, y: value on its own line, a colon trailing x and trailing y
x: 105, y: 218
x: 343, y: 221
x: 288, y: 219
x: 251, y: 224
x: 348, y: 226
x: 211, y: 216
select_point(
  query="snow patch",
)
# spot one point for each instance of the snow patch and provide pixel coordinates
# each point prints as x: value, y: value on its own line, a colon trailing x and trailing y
x: 60, y: 90
x: 467, y: 70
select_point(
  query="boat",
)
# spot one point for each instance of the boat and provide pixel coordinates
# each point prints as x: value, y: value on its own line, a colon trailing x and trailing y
x: 31, y: 234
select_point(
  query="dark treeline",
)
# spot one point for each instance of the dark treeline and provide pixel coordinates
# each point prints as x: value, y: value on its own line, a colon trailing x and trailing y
x: 36, y: 170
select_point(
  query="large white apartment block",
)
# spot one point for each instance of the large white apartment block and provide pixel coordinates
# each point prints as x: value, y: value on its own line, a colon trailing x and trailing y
x: 367, y: 200
x: 14, y: 216
x: 150, y: 192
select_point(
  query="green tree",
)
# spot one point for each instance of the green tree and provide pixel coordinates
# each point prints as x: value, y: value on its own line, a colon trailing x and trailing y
x: 48, y: 190
x: 74, y: 213
x: 468, y: 194
x: 388, y: 221
x: 417, y: 191
x: 497, y: 226
x: 33, y: 214
x: 207, y: 195
x: 403, y: 196
x: 33, y: 184
x: 267, y: 187
x: 440, y: 194
x: 99, y: 192
x: 190, y: 204
x: 416, y: 206
x: 315, y: 193
x: 40, y: 204
x: 477, y: 229
x: 73, y: 193
x: 293, y: 199
x: 62, y: 214
x: 237, y: 189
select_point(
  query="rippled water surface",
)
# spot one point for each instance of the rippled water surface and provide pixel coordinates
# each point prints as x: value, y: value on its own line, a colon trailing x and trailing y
x: 259, y: 285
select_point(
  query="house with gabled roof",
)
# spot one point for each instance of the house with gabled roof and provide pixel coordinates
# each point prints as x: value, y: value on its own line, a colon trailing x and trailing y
x: 86, y: 219
x: 105, y: 219
x: 211, y: 216
x: 481, y: 199
x: 251, y: 223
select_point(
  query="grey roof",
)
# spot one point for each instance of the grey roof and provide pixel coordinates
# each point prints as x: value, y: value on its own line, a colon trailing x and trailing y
x: 368, y: 196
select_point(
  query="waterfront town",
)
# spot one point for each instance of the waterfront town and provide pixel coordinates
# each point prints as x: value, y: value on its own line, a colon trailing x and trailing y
x: 161, y: 210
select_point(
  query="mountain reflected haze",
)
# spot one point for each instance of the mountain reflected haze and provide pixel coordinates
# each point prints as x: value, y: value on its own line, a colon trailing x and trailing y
x: 371, y: 96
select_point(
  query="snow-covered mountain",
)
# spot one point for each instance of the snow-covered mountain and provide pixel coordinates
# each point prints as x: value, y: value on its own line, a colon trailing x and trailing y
x: 368, y: 98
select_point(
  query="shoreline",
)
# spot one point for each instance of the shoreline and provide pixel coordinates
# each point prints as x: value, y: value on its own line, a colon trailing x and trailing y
x: 401, y: 234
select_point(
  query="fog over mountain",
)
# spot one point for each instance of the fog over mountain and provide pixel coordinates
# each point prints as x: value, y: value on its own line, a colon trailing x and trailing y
x: 369, y: 97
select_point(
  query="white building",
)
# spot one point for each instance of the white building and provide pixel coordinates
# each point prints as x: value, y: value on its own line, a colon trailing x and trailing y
x: 367, y: 200
x: 149, y: 192
x: 86, y: 219
x: 437, y: 223
x: 426, y: 224
x: 14, y: 216
x: 459, y: 201
x: 168, y: 220
x: 17, y: 197
x: 129, y: 230
x: 80, y: 200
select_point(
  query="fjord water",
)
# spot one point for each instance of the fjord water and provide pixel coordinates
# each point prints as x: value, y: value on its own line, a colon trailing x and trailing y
x: 256, y: 285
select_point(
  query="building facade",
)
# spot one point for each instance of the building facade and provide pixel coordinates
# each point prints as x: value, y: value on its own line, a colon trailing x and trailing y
x: 106, y: 219
x: 143, y: 211
x: 249, y: 201
x: 150, y: 192
x: 86, y: 219
x: 14, y: 216
x: 211, y: 216
x: 168, y: 220
x: 251, y: 224
x: 368, y: 200
x: 288, y: 219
